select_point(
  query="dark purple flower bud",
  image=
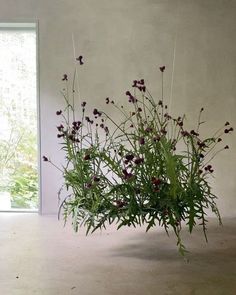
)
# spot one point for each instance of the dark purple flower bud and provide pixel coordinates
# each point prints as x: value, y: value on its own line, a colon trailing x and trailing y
x: 141, y: 140
x: 208, y: 168
x: 96, y: 179
x: 226, y: 131
x: 184, y: 133
x: 120, y: 204
x: 141, y: 82
x: 200, y: 171
x: 83, y: 104
x: 219, y: 139
x: 112, y: 102
x: 160, y: 103
x: 148, y: 129
x: 128, y: 176
x: 87, y: 157
x: 60, y: 128
x: 102, y: 125
x: 79, y: 59
x: 125, y: 172
x: 60, y: 135
x: 106, y: 129
x: 194, y: 133
x: 59, y: 112
x: 156, y: 181
x: 71, y: 137
x: 231, y: 129
x: 65, y: 77
x: 226, y: 147
x: 132, y: 125
x: 129, y: 157
x: 138, y: 161
x: 95, y: 112
x: 202, y: 109
x: 89, y: 185
x: 139, y: 110
x: 156, y: 138
x: 135, y: 83
x: 227, y: 123
x: 131, y: 97
x: 162, y: 69
x: 163, y: 131
x: 201, y: 155
x: 45, y: 159
x: 107, y: 100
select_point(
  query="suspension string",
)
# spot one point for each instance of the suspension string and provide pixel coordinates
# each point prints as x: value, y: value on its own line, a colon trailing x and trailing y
x: 76, y: 71
x: 173, y: 63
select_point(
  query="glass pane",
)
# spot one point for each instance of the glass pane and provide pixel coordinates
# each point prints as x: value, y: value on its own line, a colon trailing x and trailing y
x: 18, y: 120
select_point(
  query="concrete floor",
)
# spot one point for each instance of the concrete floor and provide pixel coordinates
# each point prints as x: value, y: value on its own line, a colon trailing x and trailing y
x: 39, y: 256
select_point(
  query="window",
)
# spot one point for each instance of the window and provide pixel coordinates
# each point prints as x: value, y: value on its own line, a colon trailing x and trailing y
x: 18, y: 117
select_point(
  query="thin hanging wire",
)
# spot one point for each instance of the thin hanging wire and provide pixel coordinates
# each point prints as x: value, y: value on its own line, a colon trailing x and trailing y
x: 76, y: 71
x: 174, y: 56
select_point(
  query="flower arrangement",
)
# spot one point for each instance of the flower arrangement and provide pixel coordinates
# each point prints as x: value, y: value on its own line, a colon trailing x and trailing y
x: 147, y: 169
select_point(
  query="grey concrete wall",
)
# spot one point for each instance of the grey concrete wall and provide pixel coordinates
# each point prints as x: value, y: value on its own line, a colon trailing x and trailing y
x: 126, y: 39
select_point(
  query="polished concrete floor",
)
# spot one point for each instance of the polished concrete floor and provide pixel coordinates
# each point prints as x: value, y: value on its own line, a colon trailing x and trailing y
x: 39, y: 256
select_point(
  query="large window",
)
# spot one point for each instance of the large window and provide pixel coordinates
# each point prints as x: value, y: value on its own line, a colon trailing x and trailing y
x: 18, y: 117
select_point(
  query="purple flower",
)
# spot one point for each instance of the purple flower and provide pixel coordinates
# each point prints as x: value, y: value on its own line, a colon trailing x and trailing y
x: 79, y: 59
x: 45, y: 159
x: 131, y: 97
x: 138, y: 161
x: 156, y: 181
x: 127, y: 176
x: 156, y: 138
x: 83, y: 104
x: 65, y: 77
x: 194, y: 133
x: 135, y: 83
x: 60, y: 128
x: 87, y: 157
x: 129, y: 157
x: 59, y: 112
x: 97, y: 113
x: 141, y: 140
x: 141, y: 82
x: 96, y: 179
x: 162, y: 69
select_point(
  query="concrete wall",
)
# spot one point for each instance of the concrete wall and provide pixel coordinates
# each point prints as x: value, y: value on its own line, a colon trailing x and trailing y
x: 126, y: 39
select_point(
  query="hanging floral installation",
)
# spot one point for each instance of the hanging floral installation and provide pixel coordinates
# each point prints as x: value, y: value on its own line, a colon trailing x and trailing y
x: 146, y: 169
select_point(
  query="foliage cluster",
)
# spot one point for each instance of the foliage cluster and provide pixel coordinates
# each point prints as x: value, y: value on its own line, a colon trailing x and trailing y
x: 18, y: 168
x: 147, y: 169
